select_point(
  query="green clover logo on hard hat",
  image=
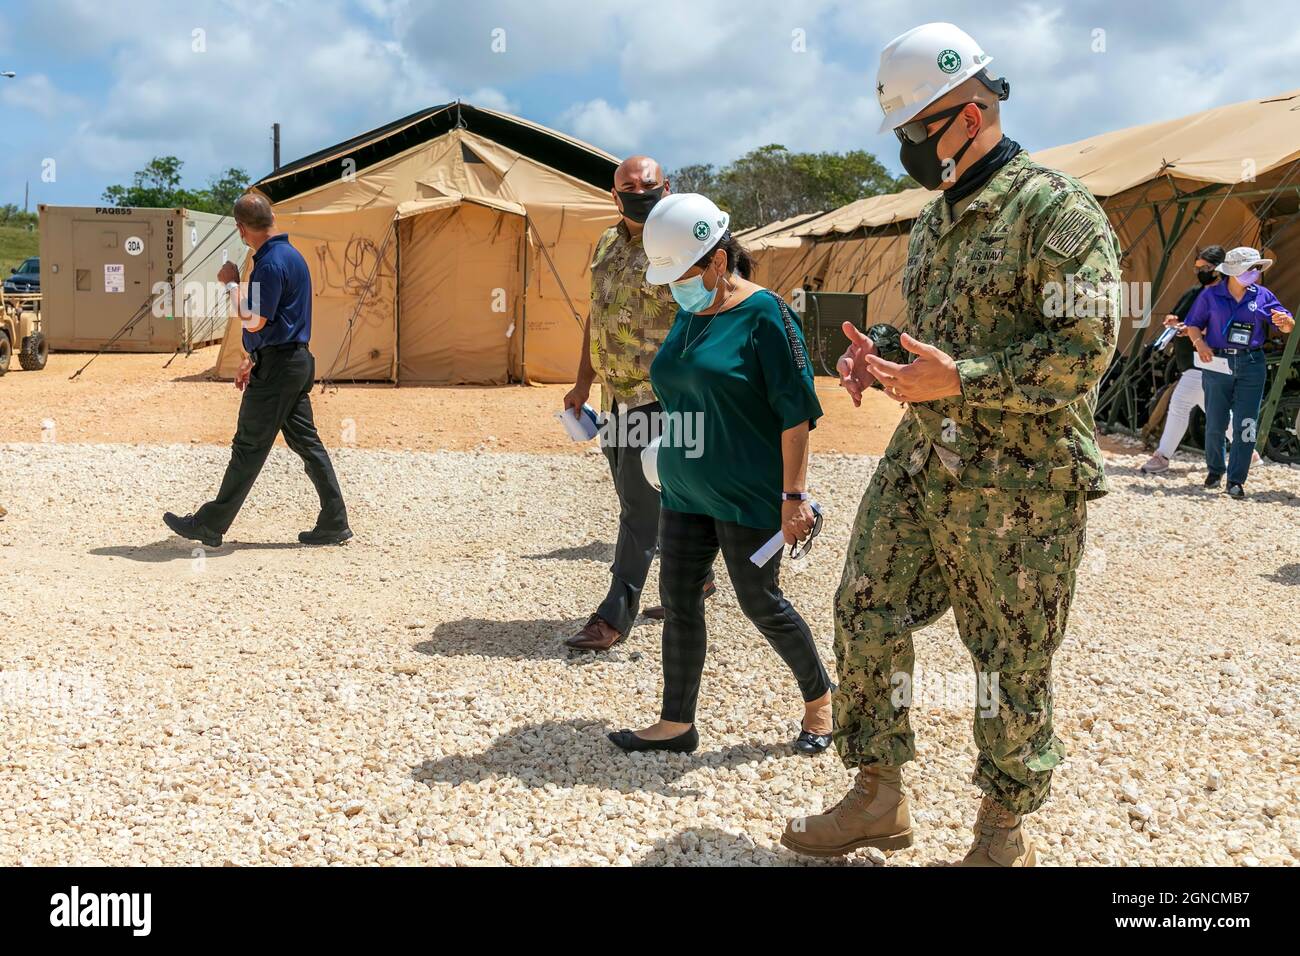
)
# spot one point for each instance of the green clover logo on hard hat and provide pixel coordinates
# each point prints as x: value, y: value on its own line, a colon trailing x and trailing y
x: 701, y: 230
x: 950, y: 61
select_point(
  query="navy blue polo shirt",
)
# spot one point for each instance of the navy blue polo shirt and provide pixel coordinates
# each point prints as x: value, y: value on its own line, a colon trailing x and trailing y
x: 280, y: 290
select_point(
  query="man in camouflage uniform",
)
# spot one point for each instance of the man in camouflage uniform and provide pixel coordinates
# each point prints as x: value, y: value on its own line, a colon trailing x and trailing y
x: 979, y: 503
x: 629, y: 319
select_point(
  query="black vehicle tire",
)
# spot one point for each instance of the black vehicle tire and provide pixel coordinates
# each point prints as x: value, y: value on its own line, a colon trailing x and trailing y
x: 6, y: 353
x: 1283, y: 442
x: 35, y: 352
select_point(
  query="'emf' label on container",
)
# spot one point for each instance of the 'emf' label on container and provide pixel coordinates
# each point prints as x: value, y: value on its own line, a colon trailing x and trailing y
x: 114, y: 277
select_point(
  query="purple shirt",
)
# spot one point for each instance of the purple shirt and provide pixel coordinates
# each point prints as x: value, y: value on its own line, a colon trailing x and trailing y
x: 1215, y: 309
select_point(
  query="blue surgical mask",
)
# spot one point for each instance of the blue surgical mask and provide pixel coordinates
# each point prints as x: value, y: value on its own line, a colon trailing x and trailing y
x: 691, y: 293
x: 1251, y: 277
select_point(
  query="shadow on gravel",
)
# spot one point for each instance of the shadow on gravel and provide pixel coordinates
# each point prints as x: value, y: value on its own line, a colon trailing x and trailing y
x: 1190, y: 484
x: 539, y: 638
x: 209, y: 374
x: 706, y: 846
x: 1287, y: 574
x: 1187, y: 488
x: 595, y: 551
x: 572, y: 753
x: 178, y: 549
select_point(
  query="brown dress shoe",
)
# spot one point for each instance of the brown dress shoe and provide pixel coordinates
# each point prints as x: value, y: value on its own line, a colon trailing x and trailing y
x: 596, y: 635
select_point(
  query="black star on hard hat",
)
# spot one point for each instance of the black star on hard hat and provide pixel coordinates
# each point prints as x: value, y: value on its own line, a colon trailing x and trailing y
x: 880, y: 89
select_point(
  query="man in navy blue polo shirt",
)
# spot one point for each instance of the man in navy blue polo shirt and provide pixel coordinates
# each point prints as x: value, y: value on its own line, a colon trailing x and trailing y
x: 1228, y: 325
x: 276, y: 380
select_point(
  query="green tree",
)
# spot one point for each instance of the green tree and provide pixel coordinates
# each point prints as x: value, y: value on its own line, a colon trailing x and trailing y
x: 11, y: 215
x: 224, y: 189
x: 158, y: 185
x: 772, y: 183
x: 697, y: 178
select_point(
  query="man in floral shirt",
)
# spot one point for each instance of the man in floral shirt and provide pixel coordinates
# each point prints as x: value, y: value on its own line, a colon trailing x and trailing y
x: 628, y: 320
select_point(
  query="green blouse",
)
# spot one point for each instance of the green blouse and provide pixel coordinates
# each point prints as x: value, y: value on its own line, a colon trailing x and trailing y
x: 729, y: 385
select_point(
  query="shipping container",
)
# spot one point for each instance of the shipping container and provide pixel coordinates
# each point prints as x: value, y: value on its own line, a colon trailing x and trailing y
x: 132, y: 279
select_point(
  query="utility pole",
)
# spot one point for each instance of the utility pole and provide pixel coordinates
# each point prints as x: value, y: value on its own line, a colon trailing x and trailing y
x: 275, y: 146
x: 27, y: 190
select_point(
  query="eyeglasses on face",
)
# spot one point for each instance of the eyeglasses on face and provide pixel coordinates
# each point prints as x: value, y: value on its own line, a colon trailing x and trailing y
x: 916, y: 132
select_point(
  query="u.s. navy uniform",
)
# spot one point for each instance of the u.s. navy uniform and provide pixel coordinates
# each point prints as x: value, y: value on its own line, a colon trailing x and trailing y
x: 980, y: 501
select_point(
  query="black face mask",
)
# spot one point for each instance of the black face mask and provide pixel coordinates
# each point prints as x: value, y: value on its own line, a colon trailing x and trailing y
x: 1206, y: 276
x: 921, y: 160
x: 637, y: 206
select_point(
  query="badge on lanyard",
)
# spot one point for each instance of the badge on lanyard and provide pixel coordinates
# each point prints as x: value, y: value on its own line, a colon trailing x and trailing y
x: 1239, y: 333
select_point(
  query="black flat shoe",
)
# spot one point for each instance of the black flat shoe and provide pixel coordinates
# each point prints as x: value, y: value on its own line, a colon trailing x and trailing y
x: 318, y: 536
x: 681, y: 744
x: 1213, y: 481
x: 810, y: 744
x: 1236, y: 491
x: 187, y: 527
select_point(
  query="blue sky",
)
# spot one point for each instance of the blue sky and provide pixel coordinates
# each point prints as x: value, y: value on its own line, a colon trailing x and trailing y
x: 105, y: 85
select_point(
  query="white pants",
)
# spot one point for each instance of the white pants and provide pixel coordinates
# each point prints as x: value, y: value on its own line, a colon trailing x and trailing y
x: 1188, y: 394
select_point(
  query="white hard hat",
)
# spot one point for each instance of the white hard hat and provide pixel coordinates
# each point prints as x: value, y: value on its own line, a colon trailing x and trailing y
x: 922, y: 65
x: 650, y: 455
x: 681, y: 228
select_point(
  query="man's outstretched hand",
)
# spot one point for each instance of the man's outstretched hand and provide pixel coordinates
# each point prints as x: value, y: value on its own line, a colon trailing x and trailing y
x: 855, y: 378
x: 931, y: 375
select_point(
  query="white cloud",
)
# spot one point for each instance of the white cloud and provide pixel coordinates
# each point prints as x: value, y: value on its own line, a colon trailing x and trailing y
x: 324, y: 77
x: 620, y: 130
x: 35, y: 94
x: 686, y: 80
x: 490, y: 42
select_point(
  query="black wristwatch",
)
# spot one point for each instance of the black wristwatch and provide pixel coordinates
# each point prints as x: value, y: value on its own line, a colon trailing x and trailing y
x: 795, y: 496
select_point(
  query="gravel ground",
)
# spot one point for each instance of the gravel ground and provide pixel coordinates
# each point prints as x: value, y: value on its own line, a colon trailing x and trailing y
x: 406, y: 699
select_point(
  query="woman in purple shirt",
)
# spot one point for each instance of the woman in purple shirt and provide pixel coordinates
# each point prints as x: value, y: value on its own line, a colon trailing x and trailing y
x: 1228, y: 325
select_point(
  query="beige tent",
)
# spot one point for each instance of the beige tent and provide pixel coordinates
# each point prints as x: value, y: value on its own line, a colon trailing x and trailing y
x: 445, y: 248
x: 1229, y: 175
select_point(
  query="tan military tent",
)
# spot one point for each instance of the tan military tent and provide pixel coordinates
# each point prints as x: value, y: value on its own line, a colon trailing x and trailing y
x: 1229, y: 175
x: 442, y: 247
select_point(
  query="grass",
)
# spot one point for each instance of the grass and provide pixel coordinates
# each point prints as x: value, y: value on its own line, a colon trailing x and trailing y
x: 16, y: 244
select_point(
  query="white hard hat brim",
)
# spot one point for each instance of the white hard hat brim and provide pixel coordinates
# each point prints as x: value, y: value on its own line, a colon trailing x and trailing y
x: 662, y: 275
x: 908, y: 113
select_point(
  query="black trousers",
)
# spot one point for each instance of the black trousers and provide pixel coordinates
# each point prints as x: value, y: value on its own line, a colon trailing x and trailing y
x: 688, y: 546
x: 277, y: 400
x: 638, y: 514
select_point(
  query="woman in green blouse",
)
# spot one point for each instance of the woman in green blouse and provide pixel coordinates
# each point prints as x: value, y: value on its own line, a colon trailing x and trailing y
x: 737, y: 393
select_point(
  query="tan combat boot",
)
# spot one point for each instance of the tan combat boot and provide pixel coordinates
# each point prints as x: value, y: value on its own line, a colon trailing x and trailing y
x: 874, y: 813
x: 998, y: 840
